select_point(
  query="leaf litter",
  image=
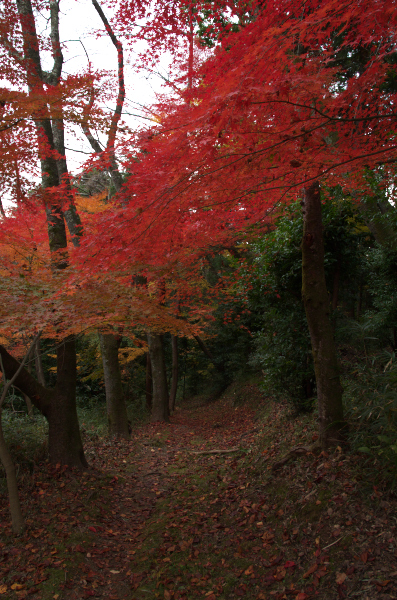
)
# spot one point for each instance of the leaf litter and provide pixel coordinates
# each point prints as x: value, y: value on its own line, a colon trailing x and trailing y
x: 164, y: 516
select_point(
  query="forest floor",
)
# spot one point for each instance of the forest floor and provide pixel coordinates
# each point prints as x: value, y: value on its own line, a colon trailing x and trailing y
x: 204, y: 508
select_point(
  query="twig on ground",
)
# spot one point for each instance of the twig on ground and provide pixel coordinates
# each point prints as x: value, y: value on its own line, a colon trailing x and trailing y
x: 294, y: 452
x: 216, y: 451
x: 333, y: 543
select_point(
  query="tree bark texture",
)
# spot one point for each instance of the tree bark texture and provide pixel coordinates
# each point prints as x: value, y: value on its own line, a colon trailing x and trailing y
x: 64, y: 439
x: 317, y: 307
x: 39, y: 364
x: 115, y: 402
x: 28, y: 401
x: 58, y: 405
x: 160, y: 399
x: 174, y: 381
x: 65, y: 445
x: 18, y: 522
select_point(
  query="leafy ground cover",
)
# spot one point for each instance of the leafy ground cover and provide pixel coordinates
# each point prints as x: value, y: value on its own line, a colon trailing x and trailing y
x: 210, y: 506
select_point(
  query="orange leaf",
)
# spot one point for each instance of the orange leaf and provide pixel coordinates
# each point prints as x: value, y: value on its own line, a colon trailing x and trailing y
x: 310, y: 571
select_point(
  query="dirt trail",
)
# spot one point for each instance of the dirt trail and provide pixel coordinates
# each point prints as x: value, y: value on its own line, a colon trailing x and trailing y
x: 167, y: 517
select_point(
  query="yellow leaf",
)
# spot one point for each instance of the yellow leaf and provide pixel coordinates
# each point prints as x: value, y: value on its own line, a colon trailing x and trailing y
x: 3, y: 589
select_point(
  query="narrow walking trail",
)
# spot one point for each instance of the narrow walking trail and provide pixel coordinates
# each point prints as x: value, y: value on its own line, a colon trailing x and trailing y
x: 209, y: 506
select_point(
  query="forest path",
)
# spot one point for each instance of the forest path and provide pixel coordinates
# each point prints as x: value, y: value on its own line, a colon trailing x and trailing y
x: 164, y: 516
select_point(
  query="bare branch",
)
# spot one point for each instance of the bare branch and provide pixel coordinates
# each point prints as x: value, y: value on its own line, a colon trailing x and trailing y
x: 8, y: 384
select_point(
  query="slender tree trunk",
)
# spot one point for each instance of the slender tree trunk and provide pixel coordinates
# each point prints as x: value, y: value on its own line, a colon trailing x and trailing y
x: 317, y: 306
x: 160, y: 400
x: 28, y: 401
x: 115, y: 402
x: 39, y: 364
x: 174, y: 382
x: 5, y: 457
x: 17, y: 519
x: 149, y: 394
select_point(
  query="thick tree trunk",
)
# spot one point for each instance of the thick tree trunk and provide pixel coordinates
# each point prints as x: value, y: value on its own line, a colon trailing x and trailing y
x: 317, y: 307
x: 174, y: 381
x: 115, y: 402
x: 57, y: 405
x: 64, y: 439
x: 160, y: 400
x: 149, y: 393
x: 65, y: 444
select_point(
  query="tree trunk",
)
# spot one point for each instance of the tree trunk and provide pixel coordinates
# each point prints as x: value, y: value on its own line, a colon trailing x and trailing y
x: 57, y: 405
x: 174, y: 382
x: 17, y: 519
x: 317, y: 307
x: 5, y: 457
x: 65, y: 444
x: 160, y: 400
x: 39, y: 364
x: 64, y: 439
x: 149, y: 394
x: 28, y: 401
x: 115, y: 402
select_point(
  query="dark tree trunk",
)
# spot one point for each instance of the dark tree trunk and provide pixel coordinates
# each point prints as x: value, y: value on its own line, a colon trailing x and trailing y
x: 65, y: 444
x: 64, y: 439
x: 317, y: 307
x: 57, y: 405
x: 28, y: 401
x: 18, y: 522
x: 160, y: 399
x: 39, y: 364
x: 115, y: 402
x: 174, y: 381
x: 149, y: 394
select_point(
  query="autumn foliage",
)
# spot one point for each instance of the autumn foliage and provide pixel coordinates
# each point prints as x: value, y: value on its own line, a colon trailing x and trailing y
x: 297, y: 94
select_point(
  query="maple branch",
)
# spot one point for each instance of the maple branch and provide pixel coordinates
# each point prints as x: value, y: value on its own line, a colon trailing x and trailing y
x: 338, y: 119
x: 40, y: 396
x: 8, y: 384
x: 11, y: 50
x: 121, y: 94
x: 113, y: 170
x: 14, y: 124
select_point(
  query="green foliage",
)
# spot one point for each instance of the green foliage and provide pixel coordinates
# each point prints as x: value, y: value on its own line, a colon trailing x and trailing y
x: 282, y: 347
x: 25, y: 437
x: 382, y: 283
x: 371, y: 402
x: 90, y: 386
